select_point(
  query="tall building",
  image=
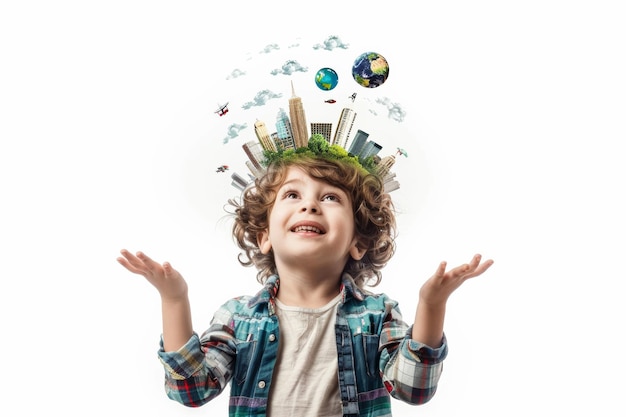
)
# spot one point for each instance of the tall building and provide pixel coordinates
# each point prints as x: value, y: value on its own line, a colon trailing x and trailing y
x: 298, y: 120
x: 238, y: 181
x: 256, y: 172
x: 283, y: 131
x: 346, y: 121
x: 254, y: 151
x: 359, y: 140
x: 385, y: 164
x: 370, y: 149
x: 390, y: 183
x: 264, y: 136
x: 323, y: 129
x: 390, y: 186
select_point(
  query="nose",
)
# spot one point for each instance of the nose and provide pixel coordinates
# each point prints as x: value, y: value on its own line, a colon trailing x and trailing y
x: 310, y: 206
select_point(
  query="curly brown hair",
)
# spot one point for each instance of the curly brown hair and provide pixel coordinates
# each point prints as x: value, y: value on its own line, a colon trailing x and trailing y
x: 374, y: 215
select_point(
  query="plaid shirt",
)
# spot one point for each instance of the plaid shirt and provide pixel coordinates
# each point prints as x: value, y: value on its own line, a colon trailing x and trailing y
x: 377, y: 358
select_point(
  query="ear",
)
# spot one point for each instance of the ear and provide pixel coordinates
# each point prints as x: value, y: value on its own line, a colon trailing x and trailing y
x: 356, y: 252
x: 263, y: 240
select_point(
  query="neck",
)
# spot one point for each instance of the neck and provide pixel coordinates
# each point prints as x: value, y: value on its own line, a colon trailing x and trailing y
x: 307, y: 291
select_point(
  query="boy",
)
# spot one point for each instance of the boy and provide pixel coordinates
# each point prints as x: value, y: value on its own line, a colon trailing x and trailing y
x: 312, y: 342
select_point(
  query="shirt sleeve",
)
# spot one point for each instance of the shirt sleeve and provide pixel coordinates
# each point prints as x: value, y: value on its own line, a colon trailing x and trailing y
x: 411, y: 370
x: 201, y: 369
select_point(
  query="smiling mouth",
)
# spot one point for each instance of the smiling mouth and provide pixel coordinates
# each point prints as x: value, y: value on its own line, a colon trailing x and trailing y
x: 311, y: 229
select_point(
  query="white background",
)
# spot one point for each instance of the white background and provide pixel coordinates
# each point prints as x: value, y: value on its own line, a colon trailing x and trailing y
x: 515, y: 132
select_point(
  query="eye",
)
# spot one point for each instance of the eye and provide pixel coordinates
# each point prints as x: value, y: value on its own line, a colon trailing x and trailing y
x: 290, y: 194
x: 331, y: 197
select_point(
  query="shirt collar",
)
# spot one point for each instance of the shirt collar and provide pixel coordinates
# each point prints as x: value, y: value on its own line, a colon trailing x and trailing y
x: 268, y: 293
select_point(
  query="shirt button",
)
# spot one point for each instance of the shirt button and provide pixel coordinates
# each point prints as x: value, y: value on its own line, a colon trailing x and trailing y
x: 272, y: 337
x: 261, y: 384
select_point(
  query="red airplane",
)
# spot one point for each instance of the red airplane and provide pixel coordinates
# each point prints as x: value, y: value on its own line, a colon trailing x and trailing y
x: 222, y: 110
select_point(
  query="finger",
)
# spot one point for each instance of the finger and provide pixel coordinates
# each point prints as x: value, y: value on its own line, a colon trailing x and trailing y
x: 131, y: 259
x: 441, y: 269
x: 475, y: 261
x: 148, y: 262
x: 459, y: 271
x: 167, y: 268
x: 471, y: 267
x: 126, y: 254
x: 480, y: 269
x: 126, y: 264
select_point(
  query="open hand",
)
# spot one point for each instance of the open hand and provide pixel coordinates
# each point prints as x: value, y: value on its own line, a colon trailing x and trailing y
x: 436, y: 290
x: 165, y: 279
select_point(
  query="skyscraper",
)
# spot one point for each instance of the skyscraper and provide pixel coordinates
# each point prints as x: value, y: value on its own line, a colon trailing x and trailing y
x: 254, y: 151
x: 346, y: 121
x: 264, y: 137
x: 256, y: 172
x: 385, y: 164
x: 238, y: 181
x: 359, y: 140
x: 370, y: 149
x: 298, y: 120
x: 283, y: 131
x: 323, y: 129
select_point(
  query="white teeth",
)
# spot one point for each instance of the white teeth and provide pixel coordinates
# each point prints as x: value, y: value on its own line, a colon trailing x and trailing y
x: 307, y: 229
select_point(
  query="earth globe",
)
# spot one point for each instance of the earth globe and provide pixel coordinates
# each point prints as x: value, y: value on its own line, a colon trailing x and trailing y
x: 370, y: 69
x: 326, y: 79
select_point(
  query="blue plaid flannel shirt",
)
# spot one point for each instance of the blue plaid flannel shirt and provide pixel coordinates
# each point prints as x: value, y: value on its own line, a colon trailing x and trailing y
x: 376, y: 356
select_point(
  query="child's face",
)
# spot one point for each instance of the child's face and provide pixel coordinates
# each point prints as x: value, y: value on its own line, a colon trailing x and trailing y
x: 311, y: 224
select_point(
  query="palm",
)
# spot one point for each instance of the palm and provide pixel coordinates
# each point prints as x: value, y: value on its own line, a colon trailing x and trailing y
x: 437, y: 289
x: 163, y: 277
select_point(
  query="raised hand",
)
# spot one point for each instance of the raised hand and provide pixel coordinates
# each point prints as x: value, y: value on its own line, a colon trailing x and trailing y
x: 437, y: 289
x: 434, y: 294
x: 163, y: 277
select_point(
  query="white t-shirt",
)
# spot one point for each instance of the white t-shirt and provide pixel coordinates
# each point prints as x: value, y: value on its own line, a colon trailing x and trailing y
x: 305, y: 381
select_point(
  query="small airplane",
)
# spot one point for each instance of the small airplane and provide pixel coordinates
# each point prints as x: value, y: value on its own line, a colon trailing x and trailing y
x: 330, y: 101
x: 222, y: 168
x: 353, y: 96
x: 222, y: 110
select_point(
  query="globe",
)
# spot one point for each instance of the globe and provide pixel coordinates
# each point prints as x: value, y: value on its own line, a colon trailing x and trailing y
x: 370, y: 69
x: 326, y: 79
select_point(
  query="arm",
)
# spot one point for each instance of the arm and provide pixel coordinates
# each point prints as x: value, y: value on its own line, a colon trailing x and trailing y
x: 175, y: 308
x: 410, y: 369
x: 201, y: 369
x: 434, y: 294
x: 197, y: 369
x: 412, y: 365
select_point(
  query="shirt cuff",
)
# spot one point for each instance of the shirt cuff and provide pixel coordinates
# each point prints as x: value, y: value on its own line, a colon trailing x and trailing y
x: 425, y: 353
x: 184, y: 362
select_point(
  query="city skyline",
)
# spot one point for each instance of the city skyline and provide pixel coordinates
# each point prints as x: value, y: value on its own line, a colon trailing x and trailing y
x: 292, y: 132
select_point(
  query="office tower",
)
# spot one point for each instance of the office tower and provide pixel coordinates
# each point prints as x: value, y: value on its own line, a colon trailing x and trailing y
x: 390, y: 186
x: 370, y: 149
x: 390, y: 183
x: 385, y: 164
x: 255, y: 170
x: 238, y: 181
x: 254, y: 151
x: 323, y: 129
x: 359, y: 140
x: 298, y: 120
x: 276, y: 141
x: 283, y: 130
x: 346, y: 121
x: 264, y: 137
